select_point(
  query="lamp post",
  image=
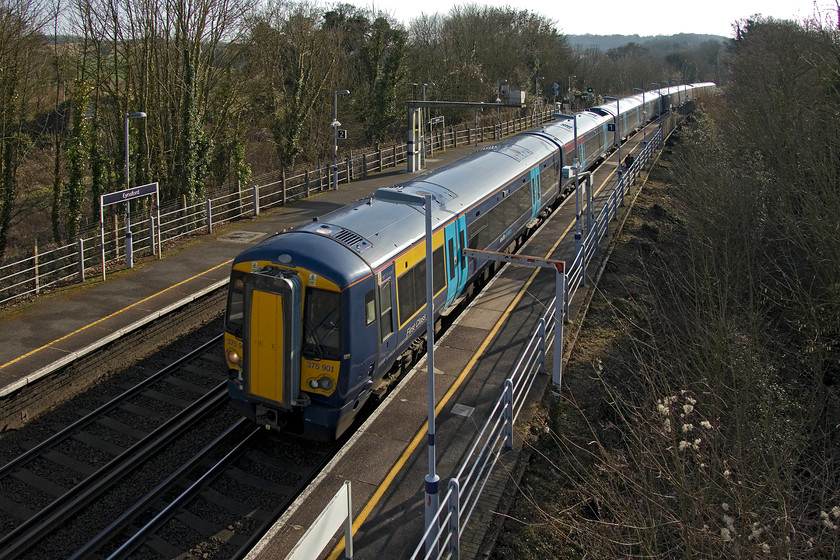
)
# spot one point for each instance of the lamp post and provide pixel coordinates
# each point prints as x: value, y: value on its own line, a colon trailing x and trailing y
x: 570, y: 92
x: 659, y: 91
x: 425, y: 120
x: 335, y: 124
x: 536, y: 99
x: 617, y: 132
x: 432, y: 480
x: 644, y: 118
x: 129, y: 254
x: 577, y: 186
x: 499, y: 109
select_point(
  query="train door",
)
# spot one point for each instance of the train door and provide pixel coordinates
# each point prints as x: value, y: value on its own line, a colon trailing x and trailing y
x: 536, y: 192
x: 272, y: 337
x: 455, y: 237
x: 387, y: 313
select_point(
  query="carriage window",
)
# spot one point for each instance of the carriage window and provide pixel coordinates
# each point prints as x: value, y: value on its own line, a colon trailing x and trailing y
x: 322, y: 324
x: 370, y: 308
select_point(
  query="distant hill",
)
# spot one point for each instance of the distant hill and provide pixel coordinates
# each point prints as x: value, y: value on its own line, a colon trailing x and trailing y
x: 670, y: 42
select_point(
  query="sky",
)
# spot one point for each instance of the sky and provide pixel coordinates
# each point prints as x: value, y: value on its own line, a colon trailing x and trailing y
x: 621, y: 17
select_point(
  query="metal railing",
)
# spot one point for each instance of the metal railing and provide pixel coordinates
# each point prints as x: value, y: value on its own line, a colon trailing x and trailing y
x: 465, y: 488
x: 76, y: 262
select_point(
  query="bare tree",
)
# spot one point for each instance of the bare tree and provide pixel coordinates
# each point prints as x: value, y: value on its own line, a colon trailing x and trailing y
x: 20, y: 43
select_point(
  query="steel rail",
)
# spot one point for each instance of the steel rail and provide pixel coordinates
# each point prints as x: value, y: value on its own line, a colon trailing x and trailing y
x: 109, y: 532
x: 89, y: 418
x: 26, y: 535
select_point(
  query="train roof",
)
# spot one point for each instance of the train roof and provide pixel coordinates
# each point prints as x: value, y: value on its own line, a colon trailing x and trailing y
x: 379, y: 226
x: 562, y: 130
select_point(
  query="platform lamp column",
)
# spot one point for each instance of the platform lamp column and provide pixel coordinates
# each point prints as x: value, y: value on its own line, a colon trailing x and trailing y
x: 617, y: 136
x: 432, y: 480
x: 499, y: 109
x: 644, y: 124
x: 536, y: 100
x: 335, y: 124
x: 129, y: 254
x: 570, y: 92
x: 578, y: 235
x: 644, y: 117
x: 425, y: 121
x: 659, y: 91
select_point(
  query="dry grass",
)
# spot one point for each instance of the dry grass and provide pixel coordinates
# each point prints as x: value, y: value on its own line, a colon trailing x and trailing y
x: 685, y: 429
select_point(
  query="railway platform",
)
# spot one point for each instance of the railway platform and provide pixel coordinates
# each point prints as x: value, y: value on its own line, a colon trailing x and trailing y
x: 386, y: 459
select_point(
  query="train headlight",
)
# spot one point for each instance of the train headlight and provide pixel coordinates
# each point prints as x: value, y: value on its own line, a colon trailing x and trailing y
x: 324, y: 383
x: 233, y: 357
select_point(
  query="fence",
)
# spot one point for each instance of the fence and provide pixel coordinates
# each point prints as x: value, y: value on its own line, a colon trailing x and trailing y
x: 76, y: 262
x: 465, y: 488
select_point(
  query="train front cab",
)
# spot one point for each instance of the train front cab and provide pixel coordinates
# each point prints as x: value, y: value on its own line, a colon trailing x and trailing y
x: 284, y: 345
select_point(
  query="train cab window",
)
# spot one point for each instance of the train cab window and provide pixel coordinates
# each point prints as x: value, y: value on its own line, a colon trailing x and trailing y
x: 236, y: 303
x: 386, y: 325
x: 322, y: 324
x: 370, y: 308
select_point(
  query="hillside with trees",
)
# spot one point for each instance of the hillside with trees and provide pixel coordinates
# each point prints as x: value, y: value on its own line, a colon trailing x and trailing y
x: 701, y: 413
x: 235, y: 90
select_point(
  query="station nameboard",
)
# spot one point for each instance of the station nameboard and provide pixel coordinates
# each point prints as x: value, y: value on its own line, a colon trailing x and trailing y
x: 128, y: 194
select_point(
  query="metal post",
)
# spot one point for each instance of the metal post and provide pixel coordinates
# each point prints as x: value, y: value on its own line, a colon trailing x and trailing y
x: 335, y: 124
x: 577, y: 179
x: 82, y: 259
x: 454, y: 519
x: 659, y: 91
x: 424, y: 119
x: 536, y: 100
x: 570, y: 92
x: 588, y: 179
x: 499, y: 109
x: 617, y: 132
x: 559, y: 306
x: 152, y: 234
x: 432, y: 479
x: 507, y: 413
x: 644, y: 119
x: 129, y: 257
x: 348, y: 524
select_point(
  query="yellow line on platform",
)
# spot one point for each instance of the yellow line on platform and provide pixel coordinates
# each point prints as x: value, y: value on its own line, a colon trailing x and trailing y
x: 114, y: 314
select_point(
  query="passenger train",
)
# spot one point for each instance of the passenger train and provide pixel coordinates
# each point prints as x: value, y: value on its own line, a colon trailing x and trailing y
x: 323, y: 316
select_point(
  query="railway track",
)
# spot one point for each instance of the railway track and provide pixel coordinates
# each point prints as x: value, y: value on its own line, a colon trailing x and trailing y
x: 166, y: 468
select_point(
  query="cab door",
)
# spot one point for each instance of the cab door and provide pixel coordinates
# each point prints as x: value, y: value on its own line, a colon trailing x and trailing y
x: 272, y: 338
x: 455, y: 238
